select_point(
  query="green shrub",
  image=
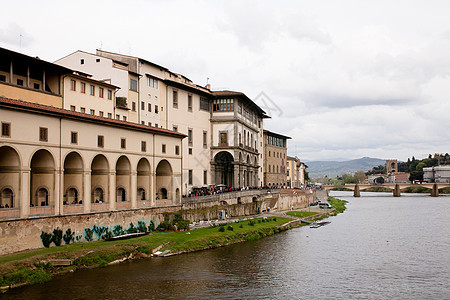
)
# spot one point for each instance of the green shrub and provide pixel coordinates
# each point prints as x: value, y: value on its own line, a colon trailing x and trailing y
x: 46, y: 239
x: 57, y: 236
x: 221, y: 229
x: 131, y: 228
x: 230, y: 228
x: 118, y: 230
x: 241, y: 226
x: 183, y: 224
x: 251, y: 223
x: 151, y: 226
x: 164, y: 226
x: 141, y: 227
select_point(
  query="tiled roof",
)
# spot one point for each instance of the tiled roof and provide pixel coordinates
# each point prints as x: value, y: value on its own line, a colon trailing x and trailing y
x: 7, y: 102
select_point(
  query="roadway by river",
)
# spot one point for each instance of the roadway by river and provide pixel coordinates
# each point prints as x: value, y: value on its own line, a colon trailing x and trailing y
x: 381, y: 247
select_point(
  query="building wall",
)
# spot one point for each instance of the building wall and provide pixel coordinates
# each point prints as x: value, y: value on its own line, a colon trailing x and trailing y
x: 35, y: 96
x: 50, y: 165
x: 274, y: 164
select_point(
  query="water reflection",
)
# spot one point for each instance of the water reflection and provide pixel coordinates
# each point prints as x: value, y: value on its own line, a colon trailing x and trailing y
x: 381, y: 247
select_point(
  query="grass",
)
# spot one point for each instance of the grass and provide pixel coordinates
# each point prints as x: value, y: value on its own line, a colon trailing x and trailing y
x: 301, y: 214
x: 26, y: 267
x: 338, y: 204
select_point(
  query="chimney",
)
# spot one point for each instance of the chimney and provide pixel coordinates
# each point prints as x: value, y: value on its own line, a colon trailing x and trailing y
x: 208, y: 86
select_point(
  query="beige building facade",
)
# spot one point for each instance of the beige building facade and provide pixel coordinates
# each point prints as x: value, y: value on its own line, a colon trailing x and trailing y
x: 295, y: 172
x: 275, y: 159
x: 66, y: 162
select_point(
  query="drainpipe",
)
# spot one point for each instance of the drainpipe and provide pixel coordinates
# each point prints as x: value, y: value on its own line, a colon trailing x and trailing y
x: 60, y: 167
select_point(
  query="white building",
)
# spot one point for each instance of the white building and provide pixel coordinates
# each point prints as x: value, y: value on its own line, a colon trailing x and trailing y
x: 438, y: 174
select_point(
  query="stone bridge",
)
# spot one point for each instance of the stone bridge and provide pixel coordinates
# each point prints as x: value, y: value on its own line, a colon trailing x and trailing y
x: 395, y: 187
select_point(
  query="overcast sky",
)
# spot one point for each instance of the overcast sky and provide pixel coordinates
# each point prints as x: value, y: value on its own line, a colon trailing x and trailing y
x: 345, y: 79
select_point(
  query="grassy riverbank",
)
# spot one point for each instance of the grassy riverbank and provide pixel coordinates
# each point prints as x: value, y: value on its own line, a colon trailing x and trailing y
x: 301, y: 214
x: 31, y: 267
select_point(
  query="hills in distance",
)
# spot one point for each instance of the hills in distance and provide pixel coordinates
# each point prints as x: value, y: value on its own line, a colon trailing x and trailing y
x: 332, y: 169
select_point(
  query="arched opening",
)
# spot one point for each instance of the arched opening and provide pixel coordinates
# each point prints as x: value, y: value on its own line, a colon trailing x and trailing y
x: 99, y: 179
x: 10, y: 176
x: 141, y: 193
x: 121, y: 194
x: 143, y: 178
x: 72, y: 196
x: 7, y: 198
x: 164, y: 179
x: 177, y: 193
x: 98, y: 195
x: 224, y: 168
x: 73, y: 178
x: 163, y: 193
x: 123, y: 178
x: 42, y: 181
x: 42, y: 197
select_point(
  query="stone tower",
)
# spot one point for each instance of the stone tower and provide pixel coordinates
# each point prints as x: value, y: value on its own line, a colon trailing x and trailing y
x: 391, y: 166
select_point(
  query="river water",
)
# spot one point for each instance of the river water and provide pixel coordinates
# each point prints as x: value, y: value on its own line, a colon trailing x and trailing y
x: 380, y: 248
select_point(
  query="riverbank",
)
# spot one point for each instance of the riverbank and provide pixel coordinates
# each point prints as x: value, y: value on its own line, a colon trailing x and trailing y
x: 38, y: 266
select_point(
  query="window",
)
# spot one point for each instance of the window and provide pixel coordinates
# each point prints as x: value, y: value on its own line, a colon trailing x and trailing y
x: 109, y: 115
x: 143, y: 122
x: 190, y: 137
x: 36, y: 86
x: 20, y: 82
x: 205, y: 177
x: 190, y: 177
x: 6, y: 129
x: 204, y: 104
x: 152, y: 82
x: 117, y: 117
x: 143, y: 105
x: 175, y: 128
x: 97, y: 60
x: 100, y: 141
x: 223, y: 105
x: 163, y: 148
x: 156, y: 125
x: 133, y: 85
x: 100, y: 92
x: 177, y: 150
x: 73, y: 85
x: 82, y: 61
x: 143, y: 146
x: 269, y: 153
x: 190, y: 151
x: 2, y: 78
x: 205, y: 139
x: 92, y: 90
x: 109, y: 94
x: 240, y: 107
x: 133, y: 106
x: 72, y: 108
x: 93, y: 112
x: 43, y: 134
x: 82, y: 110
x: 149, y: 123
x: 123, y: 143
x: 82, y: 87
x: 156, y: 109
x: 189, y: 102
x: 74, y: 137
x: 100, y: 114
x: 223, y: 139
x: 124, y: 118
x: 175, y: 99
x: 149, y: 107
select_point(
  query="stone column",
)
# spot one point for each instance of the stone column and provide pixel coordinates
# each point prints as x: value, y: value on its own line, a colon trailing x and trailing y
x: 133, y: 192
x: 112, y: 190
x: 25, y: 195
x: 236, y: 176
x: 57, y: 201
x: 87, y: 193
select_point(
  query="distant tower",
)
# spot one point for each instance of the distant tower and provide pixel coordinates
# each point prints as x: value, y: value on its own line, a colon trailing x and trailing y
x: 391, y: 166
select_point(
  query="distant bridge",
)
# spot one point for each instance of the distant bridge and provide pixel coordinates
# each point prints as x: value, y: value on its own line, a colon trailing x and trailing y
x: 395, y: 187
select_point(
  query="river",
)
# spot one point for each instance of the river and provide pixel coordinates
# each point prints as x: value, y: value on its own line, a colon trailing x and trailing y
x: 381, y: 247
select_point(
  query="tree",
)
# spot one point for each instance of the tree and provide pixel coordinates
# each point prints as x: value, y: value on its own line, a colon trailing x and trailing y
x: 360, y: 176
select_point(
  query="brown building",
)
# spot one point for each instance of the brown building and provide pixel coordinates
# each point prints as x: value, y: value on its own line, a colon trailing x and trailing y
x: 275, y: 148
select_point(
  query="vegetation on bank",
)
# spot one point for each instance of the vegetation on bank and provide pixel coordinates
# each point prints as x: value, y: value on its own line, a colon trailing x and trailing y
x: 301, y: 214
x: 32, y: 267
x: 338, y: 204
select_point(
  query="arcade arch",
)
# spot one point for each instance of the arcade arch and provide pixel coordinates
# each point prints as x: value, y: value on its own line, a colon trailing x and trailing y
x: 42, y: 183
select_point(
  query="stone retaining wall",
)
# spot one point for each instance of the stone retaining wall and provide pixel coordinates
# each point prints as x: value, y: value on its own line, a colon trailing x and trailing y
x: 22, y: 234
